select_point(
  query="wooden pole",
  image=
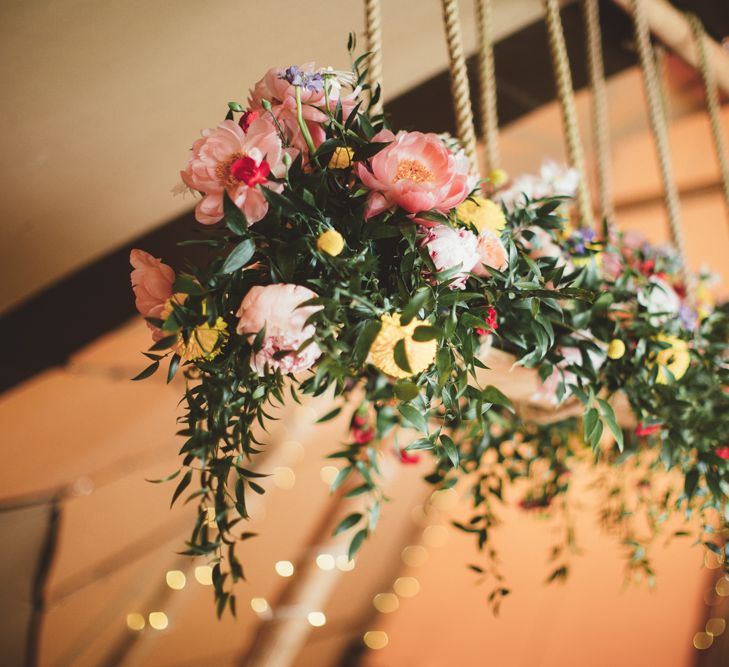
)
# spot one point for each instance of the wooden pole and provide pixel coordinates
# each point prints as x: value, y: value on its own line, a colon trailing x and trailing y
x: 672, y: 28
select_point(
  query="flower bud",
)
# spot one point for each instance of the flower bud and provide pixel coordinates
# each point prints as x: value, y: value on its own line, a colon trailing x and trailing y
x: 330, y: 242
x: 616, y: 349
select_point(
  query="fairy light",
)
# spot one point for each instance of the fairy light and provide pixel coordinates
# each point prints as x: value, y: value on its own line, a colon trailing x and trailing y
x: 436, y: 536
x: 176, y: 580
x: 204, y: 575
x: 703, y: 640
x: 325, y: 562
x: 375, y: 639
x: 445, y: 499
x: 284, y: 568
x: 386, y: 603
x: 135, y: 621
x: 715, y: 626
x: 712, y: 561
x: 158, y: 620
x: 293, y: 451
x: 344, y: 564
x: 284, y: 477
x: 328, y: 474
x: 260, y: 605
x: 414, y: 555
x: 406, y: 587
x: 316, y: 618
x: 722, y: 587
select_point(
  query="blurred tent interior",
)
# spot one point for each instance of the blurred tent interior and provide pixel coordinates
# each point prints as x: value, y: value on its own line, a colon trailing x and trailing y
x: 97, y: 99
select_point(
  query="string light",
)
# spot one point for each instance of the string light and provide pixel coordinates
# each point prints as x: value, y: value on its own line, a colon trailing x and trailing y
x: 703, y: 640
x: 325, y: 562
x: 284, y: 568
x: 715, y: 626
x: 436, y: 536
x: 176, y: 580
x: 293, y: 451
x: 344, y: 564
x: 135, y: 621
x: 406, y: 587
x: 386, y: 603
x: 445, y: 499
x: 260, y: 605
x: 316, y: 618
x: 328, y: 474
x: 375, y: 639
x: 284, y: 478
x: 414, y: 555
x: 722, y: 587
x: 158, y: 620
x: 204, y: 575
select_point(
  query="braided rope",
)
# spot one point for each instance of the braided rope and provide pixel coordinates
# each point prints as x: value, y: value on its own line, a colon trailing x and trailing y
x: 659, y: 129
x: 712, y: 104
x: 565, y: 95
x: 373, y: 32
x: 600, y: 120
x: 487, y: 85
x: 459, y: 80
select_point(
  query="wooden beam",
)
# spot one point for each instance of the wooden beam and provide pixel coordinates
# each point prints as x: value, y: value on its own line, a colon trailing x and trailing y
x: 670, y: 26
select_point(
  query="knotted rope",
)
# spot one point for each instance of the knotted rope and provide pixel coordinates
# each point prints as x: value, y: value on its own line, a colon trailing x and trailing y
x: 373, y: 32
x: 600, y: 120
x: 712, y: 104
x: 565, y: 95
x: 657, y: 120
x: 459, y: 79
x: 487, y: 84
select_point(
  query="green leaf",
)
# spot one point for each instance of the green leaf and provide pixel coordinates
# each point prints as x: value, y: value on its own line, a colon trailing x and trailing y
x: 414, y: 305
x: 365, y: 339
x: 239, y: 256
x: 493, y: 395
x: 356, y: 543
x: 401, y: 357
x: 174, y: 365
x: 691, y: 482
x: 423, y: 333
x: 184, y: 483
x: 329, y: 415
x: 150, y: 370
x: 589, y: 423
x: 347, y: 522
x: 608, y: 414
x: 339, y: 479
x: 414, y: 416
x: 406, y: 390
x: 450, y: 449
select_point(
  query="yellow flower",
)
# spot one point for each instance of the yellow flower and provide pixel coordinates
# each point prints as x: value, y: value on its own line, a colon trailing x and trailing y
x: 331, y: 242
x: 675, y: 358
x: 420, y: 354
x: 482, y: 214
x: 206, y: 342
x: 498, y: 178
x: 341, y: 158
x: 616, y: 348
x: 704, y: 301
x: 584, y: 261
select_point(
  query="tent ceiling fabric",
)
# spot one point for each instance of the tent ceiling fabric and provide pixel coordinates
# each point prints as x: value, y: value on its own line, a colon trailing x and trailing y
x: 104, y: 99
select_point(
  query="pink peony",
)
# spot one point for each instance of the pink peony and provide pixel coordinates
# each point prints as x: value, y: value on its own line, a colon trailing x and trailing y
x: 277, y: 308
x: 449, y: 248
x: 228, y: 159
x: 282, y: 96
x: 416, y: 172
x: 491, y: 252
x: 152, y: 283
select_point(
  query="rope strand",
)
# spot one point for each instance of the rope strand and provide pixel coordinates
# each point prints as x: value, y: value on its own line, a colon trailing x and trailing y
x: 373, y: 31
x: 459, y: 80
x: 659, y: 129
x: 487, y: 85
x: 712, y: 104
x: 600, y: 120
x: 565, y: 95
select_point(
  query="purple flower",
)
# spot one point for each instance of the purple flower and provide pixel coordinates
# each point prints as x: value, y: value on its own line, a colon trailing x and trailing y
x: 688, y: 318
x: 312, y: 81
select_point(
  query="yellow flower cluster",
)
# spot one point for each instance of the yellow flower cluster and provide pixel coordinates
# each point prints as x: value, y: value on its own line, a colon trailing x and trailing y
x: 206, y: 341
x: 674, y: 359
x: 330, y: 242
x: 341, y: 158
x: 420, y: 354
x: 482, y: 214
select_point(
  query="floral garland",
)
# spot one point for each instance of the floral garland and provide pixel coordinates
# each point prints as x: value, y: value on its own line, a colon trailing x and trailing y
x: 351, y: 259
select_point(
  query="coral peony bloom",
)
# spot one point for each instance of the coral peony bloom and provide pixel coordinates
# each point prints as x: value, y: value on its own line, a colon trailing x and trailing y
x: 228, y: 159
x: 416, y: 172
x: 450, y: 248
x: 152, y: 283
x: 277, y: 87
x: 491, y: 253
x: 643, y: 430
x: 276, y: 307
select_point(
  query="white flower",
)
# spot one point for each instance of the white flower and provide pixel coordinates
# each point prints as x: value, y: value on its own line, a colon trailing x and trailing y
x: 561, y: 180
x: 660, y: 300
x: 450, y: 248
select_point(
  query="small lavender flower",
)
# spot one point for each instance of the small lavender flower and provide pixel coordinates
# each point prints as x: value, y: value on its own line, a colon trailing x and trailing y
x: 688, y: 318
x: 313, y: 81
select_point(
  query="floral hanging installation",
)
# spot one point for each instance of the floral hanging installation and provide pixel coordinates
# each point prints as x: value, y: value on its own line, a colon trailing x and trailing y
x: 351, y: 259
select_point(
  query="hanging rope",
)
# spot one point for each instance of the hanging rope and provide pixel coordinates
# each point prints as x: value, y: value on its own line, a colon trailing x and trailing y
x: 600, y: 120
x: 459, y: 80
x: 487, y: 85
x: 565, y: 95
x: 712, y: 104
x: 657, y: 120
x: 373, y: 31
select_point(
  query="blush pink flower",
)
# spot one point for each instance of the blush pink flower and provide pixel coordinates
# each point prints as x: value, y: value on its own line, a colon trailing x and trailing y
x: 152, y: 285
x: 277, y: 308
x: 491, y: 253
x: 281, y: 94
x: 228, y: 159
x: 416, y: 172
x: 450, y: 248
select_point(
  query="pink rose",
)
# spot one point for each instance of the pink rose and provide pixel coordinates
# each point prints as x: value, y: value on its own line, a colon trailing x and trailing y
x: 277, y: 308
x: 450, y: 248
x: 227, y: 159
x: 491, y: 253
x: 416, y: 172
x: 152, y: 284
x: 282, y: 96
